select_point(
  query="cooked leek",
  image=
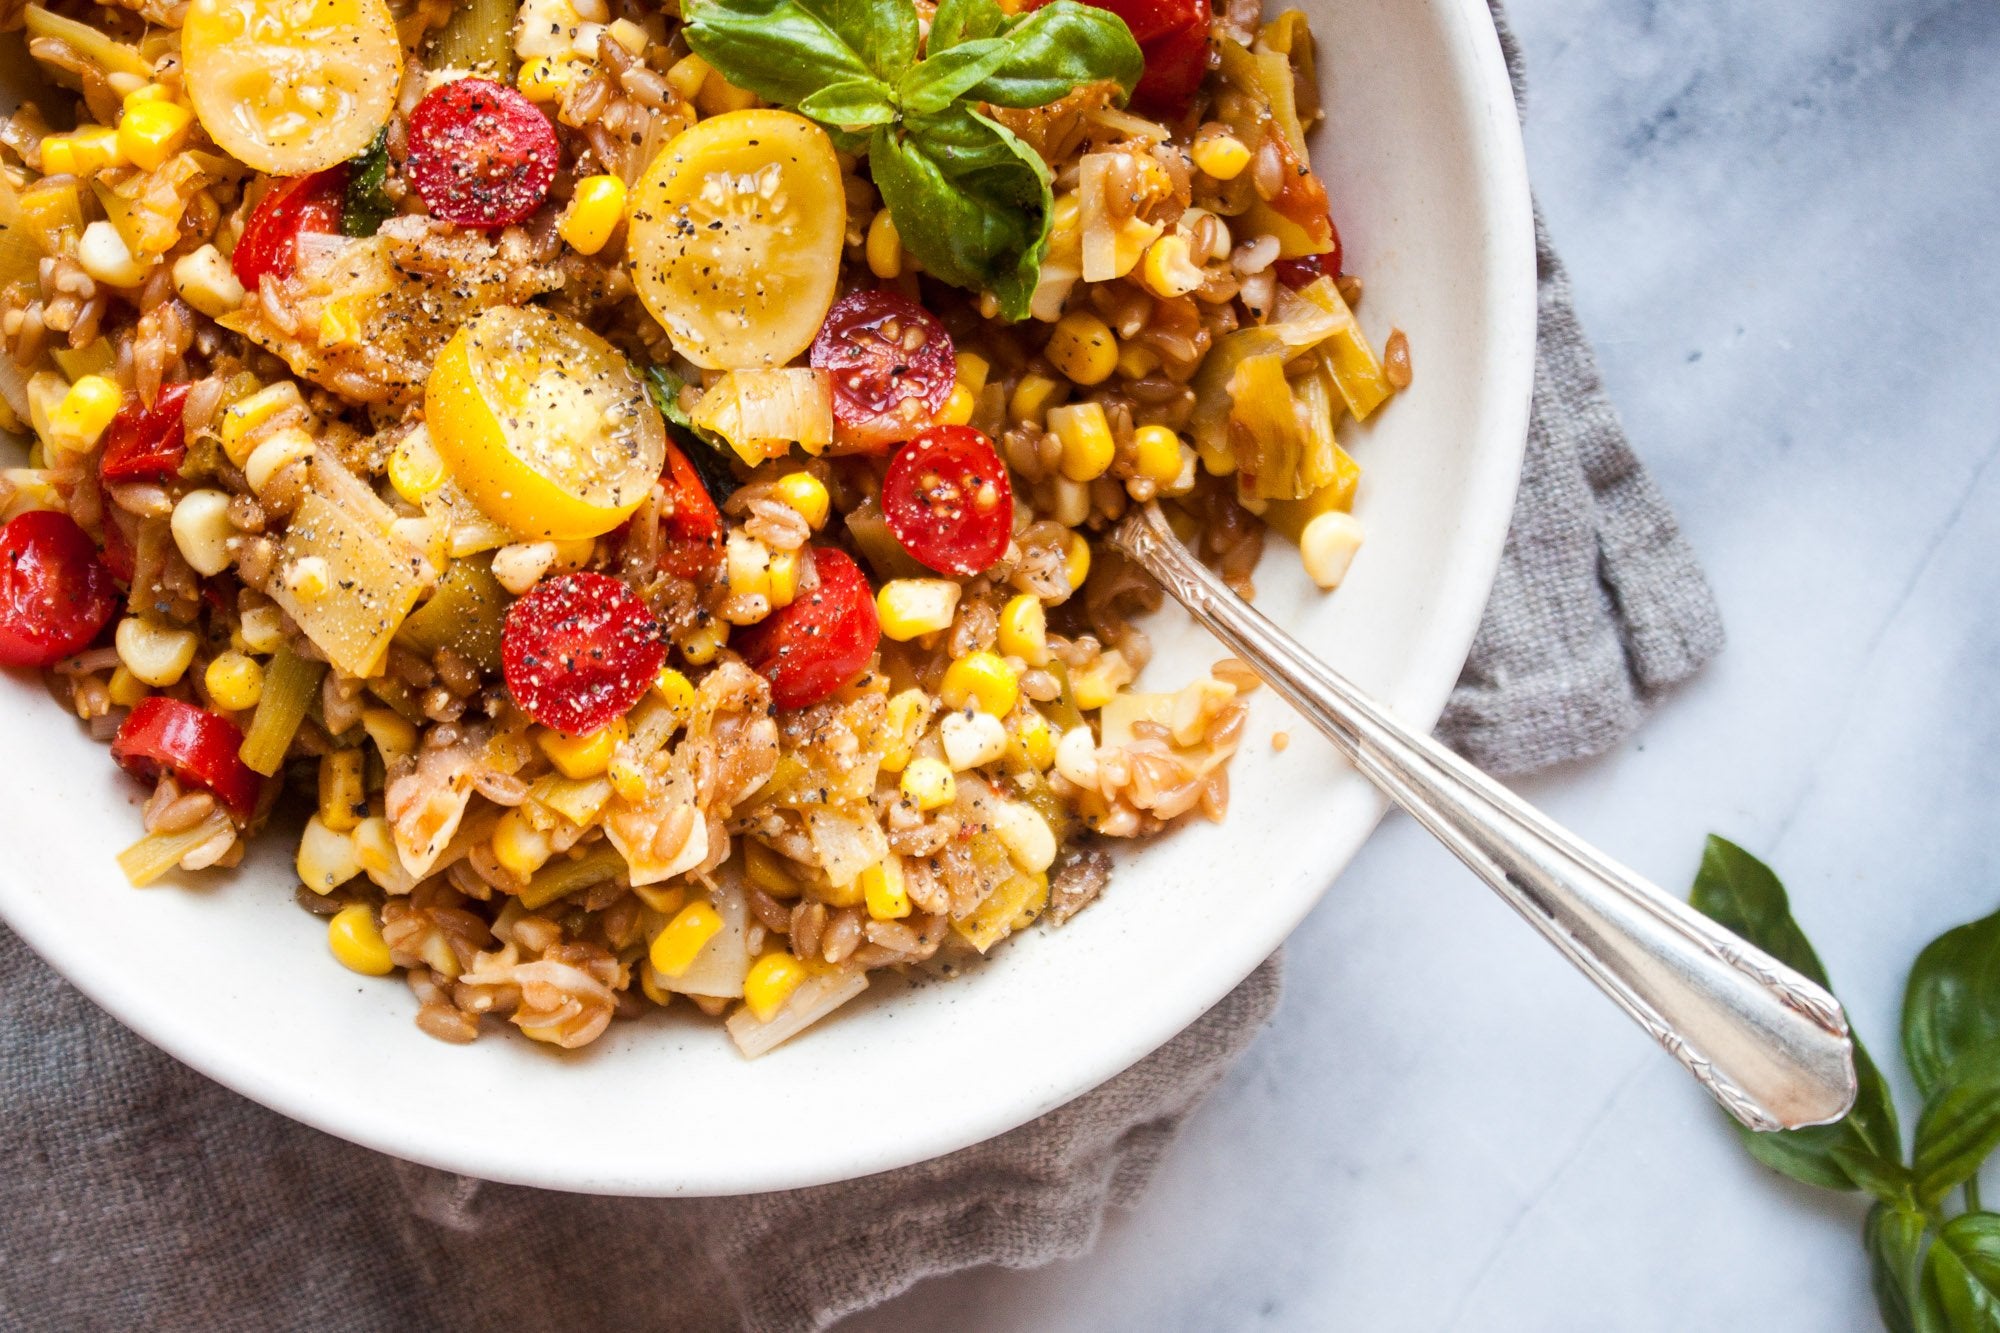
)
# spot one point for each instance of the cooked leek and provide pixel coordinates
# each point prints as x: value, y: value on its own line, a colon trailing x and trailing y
x: 762, y: 412
x: 371, y: 579
x: 465, y: 614
x: 1337, y: 496
x: 157, y: 853
x: 1269, y: 435
x: 1356, y: 371
x: 879, y: 547
x: 559, y: 879
x: 479, y: 36
x: 93, y: 44
x: 291, y: 683
x: 1011, y: 907
x: 579, y: 800
x: 816, y: 997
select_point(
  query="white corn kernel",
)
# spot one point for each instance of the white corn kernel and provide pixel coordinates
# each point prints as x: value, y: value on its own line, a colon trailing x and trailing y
x: 103, y: 254
x: 1327, y: 547
x: 972, y: 739
x: 202, y: 530
x: 279, y: 451
x: 262, y: 629
x: 908, y: 608
x: 1029, y: 841
x: 1072, y: 502
x: 1076, y: 757
x: 326, y: 859
x: 204, y: 280
x: 155, y: 653
x: 521, y: 565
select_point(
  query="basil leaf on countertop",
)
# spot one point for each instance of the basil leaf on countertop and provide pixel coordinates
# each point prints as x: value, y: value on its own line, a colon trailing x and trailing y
x: 1862, y: 1150
x: 1960, y: 1127
x: 857, y: 103
x: 1058, y: 48
x: 1952, y: 1004
x: 1896, y: 1238
x: 1963, y: 1272
x: 366, y: 205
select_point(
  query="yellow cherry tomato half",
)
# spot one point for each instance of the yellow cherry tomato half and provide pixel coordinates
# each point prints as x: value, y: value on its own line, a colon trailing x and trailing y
x: 291, y: 86
x: 545, y: 425
x: 735, y: 237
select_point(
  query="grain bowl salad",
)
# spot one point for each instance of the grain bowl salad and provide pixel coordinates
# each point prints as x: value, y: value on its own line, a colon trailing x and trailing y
x: 634, y: 471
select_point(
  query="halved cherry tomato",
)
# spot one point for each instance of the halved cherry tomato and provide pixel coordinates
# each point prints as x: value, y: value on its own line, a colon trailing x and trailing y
x: 1302, y: 199
x: 55, y: 594
x: 270, y: 240
x: 892, y: 366
x: 481, y: 154
x: 691, y: 525
x: 118, y: 555
x: 1175, y: 66
x: 579, y: 650
x: 146, y: 441
x: 811, y: 648
x: 193, y: 744
x: 948, y: 500
x: 1297, y: 273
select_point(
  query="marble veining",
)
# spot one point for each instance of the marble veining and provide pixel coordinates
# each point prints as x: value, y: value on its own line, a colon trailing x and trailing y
x: 1778, y: 218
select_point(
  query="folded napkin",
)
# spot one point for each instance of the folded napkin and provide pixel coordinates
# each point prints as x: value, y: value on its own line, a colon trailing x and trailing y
x: 142, y: 1195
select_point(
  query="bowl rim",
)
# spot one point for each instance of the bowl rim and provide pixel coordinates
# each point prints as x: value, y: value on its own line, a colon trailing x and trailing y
x: 1474, y: 48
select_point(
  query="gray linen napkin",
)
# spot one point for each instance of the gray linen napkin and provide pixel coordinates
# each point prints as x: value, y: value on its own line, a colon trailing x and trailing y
x: 143, y: 1195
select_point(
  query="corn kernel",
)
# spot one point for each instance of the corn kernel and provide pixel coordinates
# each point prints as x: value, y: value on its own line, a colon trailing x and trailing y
x: 929, y: 783
x: 82, y: 152
x: 1222, y: 157
x: 1031, y: 398
x: 972, y: 740
x: 357, y: 942
x: 958, y: 407
x: 885, y: 890
x: 628, y: 780
x: 1076, y: 757
x: 771, y: 981
x: 261, y: 629
x: 784, y: 578
x: 103, y: 254
x: 242, y: 418
x: 1081, y: 347
x: 675, y: 690
x: 276, y: 452
x: 155, y: 653
x: 125, y: 689
x: 1076, y: 561
x: 837, y: 895
x: 1167, y: 271
x: 519, y: 845
x: 202, y: 531
x: 152, y: 131
x: 1031, y: 741
x: 884, y: 247
x: 547, y: 78
x: 674, y: 949
x: 393, y: 734
x: 205, y: 281
x: 583, y: 756
x: 1024, y: 629
x: 594, y: 212
x: 909, y: 608
x: 1066, y: 230
x: 718, y: 96
x: 972, y: 372
x: 983, y: 679
x: 1327, y: 547
x: 1096, y: 683
x: 906, y: 715
x: 649, y: 984
x: 662, y: 898
x: 83, y: 413
x: 1157, y: 454
x: 767, y: 870
x: 747, y: 569
x: 234, y: 681
x: 326, y: 857
x: 375, y: 849
x: 628, y: 35
x: 687, y: 75
x: 343, y: 792
x: 1030, y: 842
x: 1085, y: 434
x: 806, y: 496
x: 700, y: 645
x: 1135, y: 361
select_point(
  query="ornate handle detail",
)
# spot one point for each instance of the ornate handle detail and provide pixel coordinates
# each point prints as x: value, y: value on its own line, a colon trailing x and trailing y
x: 1767, y: 1043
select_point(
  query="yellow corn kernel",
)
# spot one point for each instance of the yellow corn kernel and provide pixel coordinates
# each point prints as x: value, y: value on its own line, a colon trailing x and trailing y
x: 1081, y: 347
x: 1066, y: 230
x: 674, y: 948
x: 649, y: 985
x: 519, y: 845
x: 126, y: 689
x: 784, y: 570
x: 1135, y: 362
x: 1167, y: 271
x: 241, y: 418
x: 629, y: 35
x: 1085, y: 434
x: 326, y: 858
x: 392, y: 733
x: 157, y: 654
x: 83, y: 413
x: 1031, y: 740
x: 594, y: 212
x: 664, y: 899
x: 1031, y: 398
x: 1025, y: 833
x: 202, y: 531
x: 700, y: 644
x: 375, y: 850
x: 972, y: 372
x: 909, y: 608
x: 234, y: 680
x: 1328, y: 545
x: 343, y: 791
x: 82, y: 152
x: 806, y: 496
x: 747, y: 566
x: 771, y: 981
x: 628, y: 780
x: 885, y: 891
x: 983, y: 679
x: 884, y: 247
x: 929, y: 783
x: 1076, y: 561
x: 357, y: 942
x: 1096, y: 683
x: 675, y: 690
x: 261, y: 629
x: 905, y: 714
x: 687, y: 75
x: 1222, y: 157
x: 152, y: 131
x: 547, y: 78
x: 583, y: 756
x: 1024, y: 629
x: 1157, y: 454
x: 958, y: 406
x: 767, y: 870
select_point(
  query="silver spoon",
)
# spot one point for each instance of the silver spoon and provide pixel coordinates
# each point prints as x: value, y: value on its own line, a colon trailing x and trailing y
x: 1769, y: 1045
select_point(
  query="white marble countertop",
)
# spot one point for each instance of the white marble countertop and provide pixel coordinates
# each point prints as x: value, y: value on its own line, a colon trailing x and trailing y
x: 1779, y: 221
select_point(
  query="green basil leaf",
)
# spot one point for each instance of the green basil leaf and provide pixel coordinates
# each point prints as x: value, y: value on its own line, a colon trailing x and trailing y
x: 1960, y: 1127
x: 1058, y: 48
x: 705, y: 452
x: 1952, y: 1003
x: 964, y: 21
x: 1896, y: 1239
x: 787, y: 50
x: 1962, y: 1272
x: 1863, y: 1150
x: 970, y: 201
x: 854, y: 102
x: 366, y: 205
x: 943, y: 79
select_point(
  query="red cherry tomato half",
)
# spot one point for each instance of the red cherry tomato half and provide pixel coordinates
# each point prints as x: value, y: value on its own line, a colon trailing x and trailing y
x: 55, y: 594
x: 892, y: 367
x: 1175, y: 67
x: 193, y: 744
x: 948, y: 500
x: 1303, y: 197
x: 811, y: 648
x: 1297, y: 273
x: 270, y: 240
x: 579, y: 650
x: 1151, y: 20
x: 143, y: 441
x: 481, y: 155
x: 119, y: 556
x: 691, y: 526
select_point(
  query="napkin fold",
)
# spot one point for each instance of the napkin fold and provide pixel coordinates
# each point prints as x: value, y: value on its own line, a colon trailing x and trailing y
x: 143, y: 1195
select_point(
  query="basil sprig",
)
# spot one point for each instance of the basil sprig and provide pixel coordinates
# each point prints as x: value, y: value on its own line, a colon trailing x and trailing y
x: 970, y: 200
x: 1933, y: 1270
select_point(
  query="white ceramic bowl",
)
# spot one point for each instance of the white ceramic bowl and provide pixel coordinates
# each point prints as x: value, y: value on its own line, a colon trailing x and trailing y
x: 1422, y: 156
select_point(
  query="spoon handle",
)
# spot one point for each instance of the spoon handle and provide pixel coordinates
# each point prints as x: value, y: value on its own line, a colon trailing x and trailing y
x: 1768, y: 1044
